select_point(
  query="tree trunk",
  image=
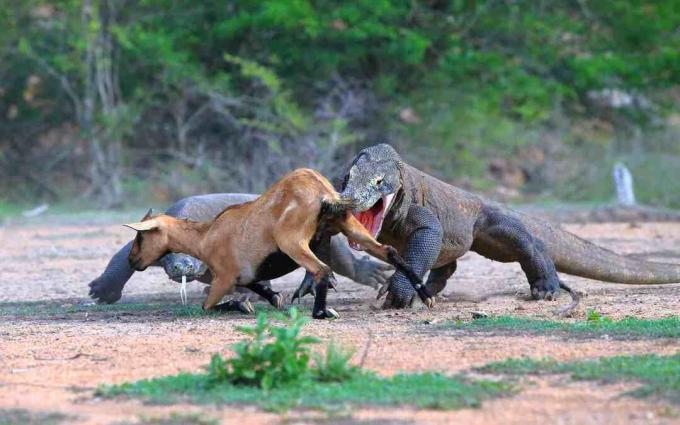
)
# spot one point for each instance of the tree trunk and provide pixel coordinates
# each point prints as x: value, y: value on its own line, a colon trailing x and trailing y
x: 101, y: 95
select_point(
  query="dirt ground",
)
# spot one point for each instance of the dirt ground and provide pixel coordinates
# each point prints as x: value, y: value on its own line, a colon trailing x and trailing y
x: 53, y: 365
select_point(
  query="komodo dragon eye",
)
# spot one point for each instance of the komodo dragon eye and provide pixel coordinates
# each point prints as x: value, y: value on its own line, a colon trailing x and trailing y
x: 379, y: 182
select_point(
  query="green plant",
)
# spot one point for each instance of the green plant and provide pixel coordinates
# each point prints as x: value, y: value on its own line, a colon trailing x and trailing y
x: 272, y: 356
x: 424, y: 390
x: 595, y: 325
x: 334, y: 365
x: 659, y: 374
x: 272, y: 369
x: 594, y: 316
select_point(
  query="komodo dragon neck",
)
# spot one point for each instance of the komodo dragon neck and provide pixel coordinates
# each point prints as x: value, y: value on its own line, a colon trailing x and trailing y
x: 445, y: 201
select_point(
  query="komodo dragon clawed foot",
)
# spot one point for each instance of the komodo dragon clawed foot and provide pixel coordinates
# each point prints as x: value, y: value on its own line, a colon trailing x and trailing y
x: 104, y: 293
x: 244, y: 307
x: 393, y: 301
x: 545, y: 288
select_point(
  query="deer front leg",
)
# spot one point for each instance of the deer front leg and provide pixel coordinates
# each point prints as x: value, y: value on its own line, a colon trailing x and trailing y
x: 298, y: 249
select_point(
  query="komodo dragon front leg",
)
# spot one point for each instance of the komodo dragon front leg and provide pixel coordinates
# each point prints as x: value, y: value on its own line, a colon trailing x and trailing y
x: 423, y: 244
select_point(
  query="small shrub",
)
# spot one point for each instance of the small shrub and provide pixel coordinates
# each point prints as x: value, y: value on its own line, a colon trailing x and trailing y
x: 594, y: 316
x: 272, y: 356
x: 334, y: 365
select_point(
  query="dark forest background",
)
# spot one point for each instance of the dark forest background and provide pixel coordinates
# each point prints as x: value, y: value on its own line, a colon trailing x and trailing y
x: 115, y: 102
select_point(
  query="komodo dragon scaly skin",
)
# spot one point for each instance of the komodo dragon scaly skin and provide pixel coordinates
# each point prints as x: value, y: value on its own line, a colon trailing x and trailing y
x: 108, y: 287
x: 432, y: 224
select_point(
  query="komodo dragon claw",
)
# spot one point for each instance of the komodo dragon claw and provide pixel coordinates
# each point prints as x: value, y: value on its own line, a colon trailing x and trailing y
x: 244, y: 307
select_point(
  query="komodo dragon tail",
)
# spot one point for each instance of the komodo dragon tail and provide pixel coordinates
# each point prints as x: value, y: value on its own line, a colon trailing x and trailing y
x: 578, y: 257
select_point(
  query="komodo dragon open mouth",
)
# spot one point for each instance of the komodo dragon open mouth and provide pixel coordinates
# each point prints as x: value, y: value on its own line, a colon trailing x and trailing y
x: 372, y: 219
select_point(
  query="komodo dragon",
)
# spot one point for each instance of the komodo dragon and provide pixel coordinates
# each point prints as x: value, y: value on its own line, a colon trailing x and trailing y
x: 108, y: 287
x: 432, y: 224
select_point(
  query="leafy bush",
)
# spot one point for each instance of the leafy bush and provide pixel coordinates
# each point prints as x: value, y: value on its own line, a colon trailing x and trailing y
x: 273, y: 356
x: 241, y: 91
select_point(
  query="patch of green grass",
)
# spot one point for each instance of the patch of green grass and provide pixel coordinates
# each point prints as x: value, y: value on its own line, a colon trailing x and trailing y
x: 595, y: 325
x: 426, y: 390
x: 272, y: 368
x: 41, y: 309
x: 47, y: 310
x: 27, y: 417
x: 660, y: 375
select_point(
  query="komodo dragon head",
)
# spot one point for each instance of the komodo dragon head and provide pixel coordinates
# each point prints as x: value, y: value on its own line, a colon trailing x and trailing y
x: 372, y: 181
x: 177, y: 265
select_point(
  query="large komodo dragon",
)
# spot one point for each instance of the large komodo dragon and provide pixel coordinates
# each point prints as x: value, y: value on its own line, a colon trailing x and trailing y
x: 108, y: 287
x: 432, y: 224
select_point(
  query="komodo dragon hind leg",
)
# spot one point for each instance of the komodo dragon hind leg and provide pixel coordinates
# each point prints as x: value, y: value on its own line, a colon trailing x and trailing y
x: 519, y: 245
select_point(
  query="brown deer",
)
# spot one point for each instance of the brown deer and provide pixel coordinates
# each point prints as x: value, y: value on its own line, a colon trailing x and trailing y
x: 267, y: 238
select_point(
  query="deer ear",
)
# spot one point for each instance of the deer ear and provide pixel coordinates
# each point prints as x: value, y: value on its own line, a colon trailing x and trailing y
x: 148, y: 214
x: 143, y: 226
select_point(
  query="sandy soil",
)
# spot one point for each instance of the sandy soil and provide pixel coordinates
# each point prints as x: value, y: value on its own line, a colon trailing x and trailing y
x: 53, y: 365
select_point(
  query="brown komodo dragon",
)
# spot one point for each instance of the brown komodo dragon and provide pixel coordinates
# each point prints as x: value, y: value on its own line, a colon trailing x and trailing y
x: 432, y: 224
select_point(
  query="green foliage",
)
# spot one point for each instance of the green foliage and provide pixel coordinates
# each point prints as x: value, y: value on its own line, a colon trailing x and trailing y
x: 334, y: 365
x: 594, y: 325
x: 271, y: 369
x: 486, y: 78
x: 594, y: 316
x: 659, y: 374
x: 426, y: 390
x: 272, y: 356
x: 46, y: 310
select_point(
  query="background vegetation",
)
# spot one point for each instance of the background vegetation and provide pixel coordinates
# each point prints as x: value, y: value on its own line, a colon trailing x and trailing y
x: 117, y: 101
